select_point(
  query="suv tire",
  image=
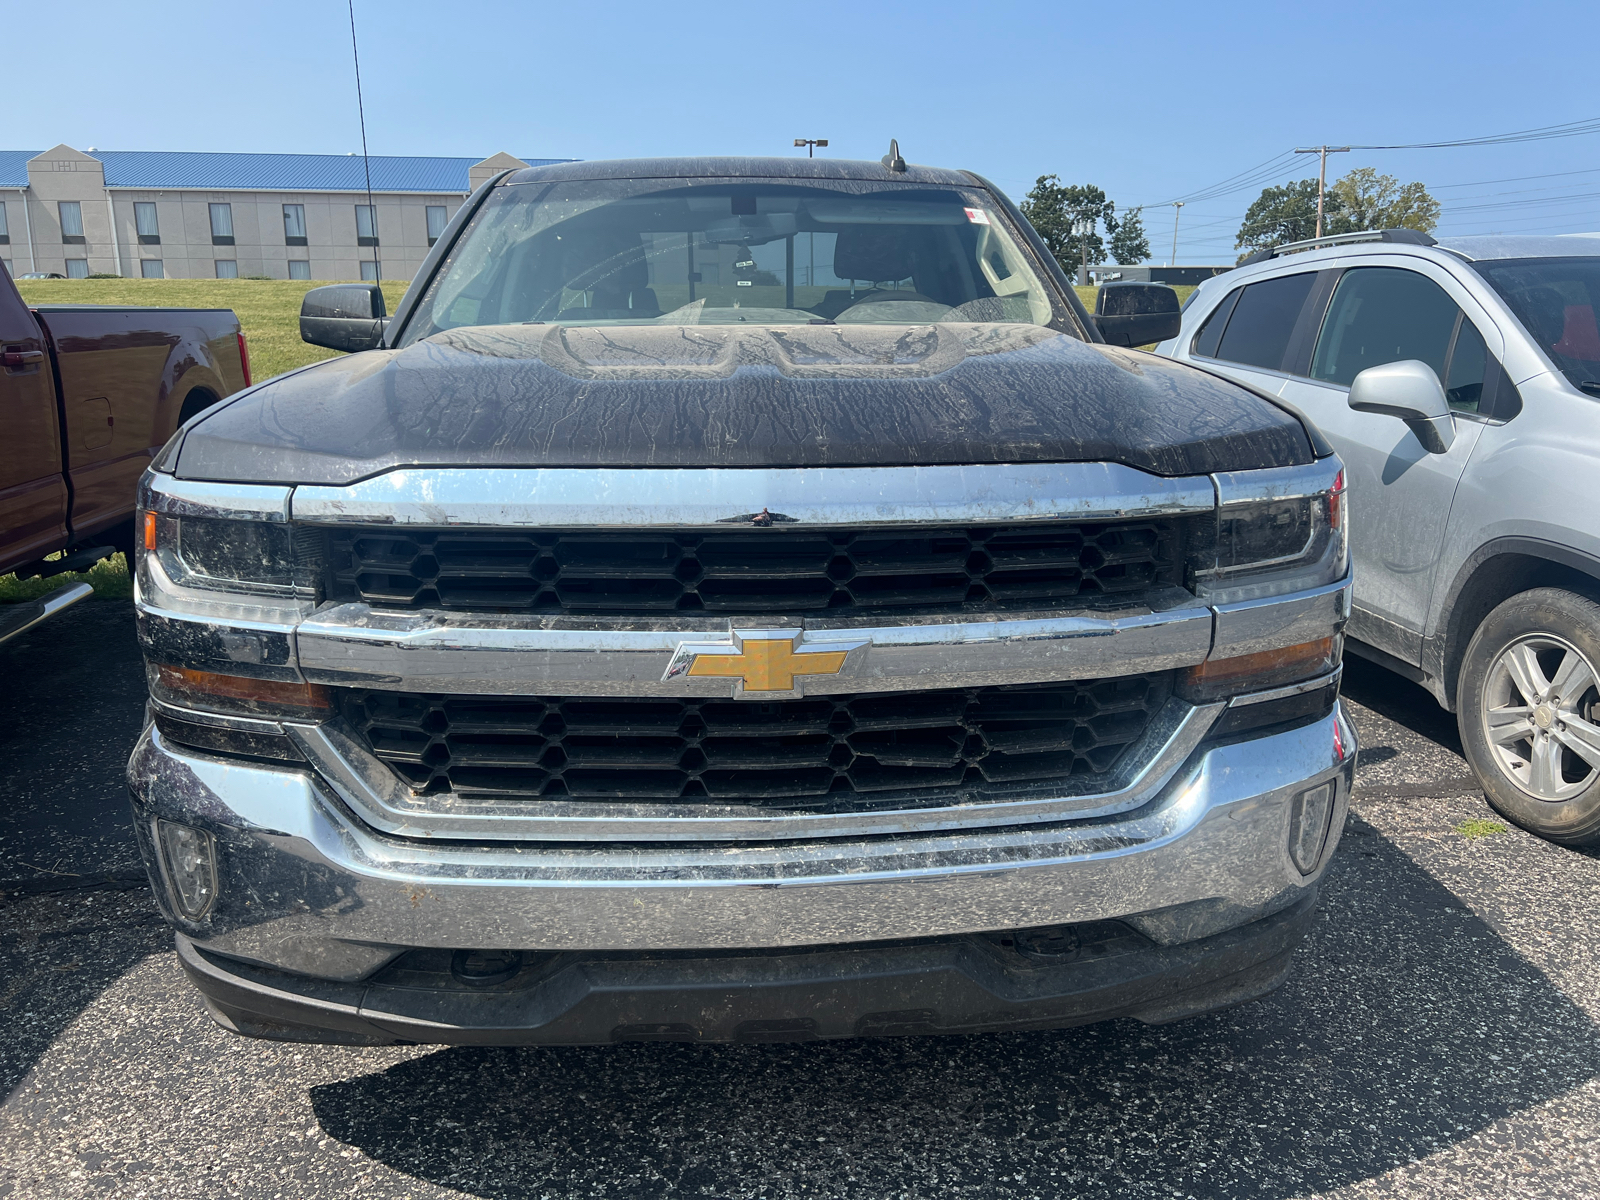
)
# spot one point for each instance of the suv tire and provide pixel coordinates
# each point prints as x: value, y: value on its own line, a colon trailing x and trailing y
x: 1533, y: 668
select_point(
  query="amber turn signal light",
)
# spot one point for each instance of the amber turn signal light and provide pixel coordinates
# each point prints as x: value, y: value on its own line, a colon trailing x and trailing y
x: 1220, y: 677
x: 242, y: 687
x: 149, y: 531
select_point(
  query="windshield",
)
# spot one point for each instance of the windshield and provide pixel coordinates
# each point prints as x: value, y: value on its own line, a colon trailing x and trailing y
x: 635, y: 252
x: 1556, y: 300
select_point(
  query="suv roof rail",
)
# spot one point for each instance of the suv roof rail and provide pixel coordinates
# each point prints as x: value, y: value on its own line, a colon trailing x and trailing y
x: 1411, y: 237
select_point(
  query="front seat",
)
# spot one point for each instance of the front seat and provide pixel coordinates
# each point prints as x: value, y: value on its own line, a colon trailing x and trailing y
x: 876, y: 254
x: 613, y: 270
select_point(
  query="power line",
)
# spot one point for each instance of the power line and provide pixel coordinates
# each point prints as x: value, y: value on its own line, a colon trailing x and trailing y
x: 1537, y: 201
x: 1437, y: 187
x: 1273, y: 166
x: 1542, y: 133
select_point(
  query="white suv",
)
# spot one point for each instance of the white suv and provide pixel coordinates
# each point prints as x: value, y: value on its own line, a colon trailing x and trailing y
x: 1460, y: 382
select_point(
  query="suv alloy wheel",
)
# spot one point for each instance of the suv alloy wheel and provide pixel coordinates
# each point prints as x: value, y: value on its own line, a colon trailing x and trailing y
x: 1529, y: 713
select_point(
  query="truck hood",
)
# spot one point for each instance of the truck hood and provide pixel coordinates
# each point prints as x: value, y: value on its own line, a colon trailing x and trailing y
x: 739, y: 396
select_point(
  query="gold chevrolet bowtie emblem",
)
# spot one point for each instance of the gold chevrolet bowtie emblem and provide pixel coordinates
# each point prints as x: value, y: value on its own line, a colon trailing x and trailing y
x: 762, y: 660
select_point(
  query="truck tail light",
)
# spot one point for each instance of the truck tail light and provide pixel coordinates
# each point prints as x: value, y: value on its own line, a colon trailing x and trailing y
x: 244, y: 358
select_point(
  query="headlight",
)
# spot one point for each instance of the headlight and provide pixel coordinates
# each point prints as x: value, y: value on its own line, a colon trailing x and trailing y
x: 1278, y: 531
x: 219, y: 587
x: 250, y: 557
x: 207, y: 544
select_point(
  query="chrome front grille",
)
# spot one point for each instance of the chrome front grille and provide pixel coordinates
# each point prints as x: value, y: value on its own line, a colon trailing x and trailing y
x: 750, y: 569
x: 827, y: 754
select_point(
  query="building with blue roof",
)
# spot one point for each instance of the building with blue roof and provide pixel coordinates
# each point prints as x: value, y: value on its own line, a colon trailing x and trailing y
x: 187, y: 215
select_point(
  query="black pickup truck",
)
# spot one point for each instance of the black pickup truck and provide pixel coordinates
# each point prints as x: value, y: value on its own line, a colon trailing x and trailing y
x: 739, y: 600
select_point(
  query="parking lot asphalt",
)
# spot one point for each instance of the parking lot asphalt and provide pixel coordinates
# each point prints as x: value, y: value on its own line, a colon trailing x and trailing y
x: 1439, y: 1036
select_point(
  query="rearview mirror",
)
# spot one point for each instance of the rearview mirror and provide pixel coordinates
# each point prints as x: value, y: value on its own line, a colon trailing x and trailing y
x: 1132, y: 314
x: 1410, y: 390
x: 343, y: 316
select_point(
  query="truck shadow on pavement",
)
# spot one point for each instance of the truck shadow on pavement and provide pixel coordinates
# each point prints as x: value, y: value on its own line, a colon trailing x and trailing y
x: 1399, y: 700
x: 69, y: 716
x: 1407, y: 1027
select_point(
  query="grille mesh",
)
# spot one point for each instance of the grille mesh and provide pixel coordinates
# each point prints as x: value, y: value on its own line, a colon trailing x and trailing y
x: 749, y: 570
x: 836, y: 753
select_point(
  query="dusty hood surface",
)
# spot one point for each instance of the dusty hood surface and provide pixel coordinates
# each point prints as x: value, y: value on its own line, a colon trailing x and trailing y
x: 732, y: 396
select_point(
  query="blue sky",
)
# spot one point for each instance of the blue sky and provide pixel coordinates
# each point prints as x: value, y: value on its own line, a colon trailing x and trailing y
x: 1151, y: 101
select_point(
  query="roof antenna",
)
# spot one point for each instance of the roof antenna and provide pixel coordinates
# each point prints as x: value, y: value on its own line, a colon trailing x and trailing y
x: 366, y: 163
x: 892, y: 160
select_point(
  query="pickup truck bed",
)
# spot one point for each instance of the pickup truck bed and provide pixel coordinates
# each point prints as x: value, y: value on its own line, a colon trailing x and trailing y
x: 91, y: 393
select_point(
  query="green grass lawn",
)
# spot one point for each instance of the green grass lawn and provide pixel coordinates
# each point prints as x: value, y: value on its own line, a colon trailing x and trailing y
x: 109, y: 577
x: 268, y: 309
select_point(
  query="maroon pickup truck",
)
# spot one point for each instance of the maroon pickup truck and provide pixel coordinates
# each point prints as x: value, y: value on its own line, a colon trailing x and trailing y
x: 89, y: 394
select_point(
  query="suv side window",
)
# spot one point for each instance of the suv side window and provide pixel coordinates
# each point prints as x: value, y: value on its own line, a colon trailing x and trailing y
x: 1387, y: 314
x: 1257, y: 334
x: 1469, y: 360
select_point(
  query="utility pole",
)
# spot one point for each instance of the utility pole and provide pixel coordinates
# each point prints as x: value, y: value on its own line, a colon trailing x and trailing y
x: 1177, y: 211
x: 1322, y: 153
x: 810, y: 144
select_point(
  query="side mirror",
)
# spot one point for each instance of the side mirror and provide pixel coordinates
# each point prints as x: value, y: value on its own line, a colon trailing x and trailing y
x: 1410, y: 390
x: 343, y: 316
x: 1132, y: 314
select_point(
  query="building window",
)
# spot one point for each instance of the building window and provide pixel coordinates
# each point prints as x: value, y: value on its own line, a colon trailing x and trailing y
x: 299, y: 268
x: 366, y: 225
x: 294, y: 225
x: 144, y: 220
x: 222, y: 225
x: 71, y: 223
x: 150, y: 268
x: 369, y: 272
x: 77, y: 268
x: 5, y: 231
x: 227, y: 268
x: 438, y: 218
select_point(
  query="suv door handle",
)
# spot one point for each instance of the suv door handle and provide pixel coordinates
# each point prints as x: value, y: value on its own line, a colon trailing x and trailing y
x: 17, y: 359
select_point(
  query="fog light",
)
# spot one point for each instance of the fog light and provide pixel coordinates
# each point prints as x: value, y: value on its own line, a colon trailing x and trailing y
x: 1310, y: 814
x: 191, y: 863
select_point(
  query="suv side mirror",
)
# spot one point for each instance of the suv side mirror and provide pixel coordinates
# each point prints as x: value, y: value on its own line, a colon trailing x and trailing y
x: 343, y: 316
x: 1132, y: 314
x: 1410, y: 390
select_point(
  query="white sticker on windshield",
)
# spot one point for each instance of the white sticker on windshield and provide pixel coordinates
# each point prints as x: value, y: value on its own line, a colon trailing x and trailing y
x: 977, y: 216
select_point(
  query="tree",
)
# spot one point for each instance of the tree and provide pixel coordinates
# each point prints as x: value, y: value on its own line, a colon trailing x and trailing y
x: 1129, y: 242
x: 1373, y: 201
x: 1359, y: 201
x: 1288, y: 214
x: 1051, y: 207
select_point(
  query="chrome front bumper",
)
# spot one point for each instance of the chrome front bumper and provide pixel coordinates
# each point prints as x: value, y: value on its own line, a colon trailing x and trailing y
x: 305, y: 886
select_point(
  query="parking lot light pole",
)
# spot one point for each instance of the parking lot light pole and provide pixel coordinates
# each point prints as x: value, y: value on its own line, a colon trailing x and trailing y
x: 1082, y: 227
x: 811, y: 144
x: 1177, y: 211
x: 1322, y: 153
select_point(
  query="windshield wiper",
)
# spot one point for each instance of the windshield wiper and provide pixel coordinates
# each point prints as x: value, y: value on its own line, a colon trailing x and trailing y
x: 1592, y: 386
